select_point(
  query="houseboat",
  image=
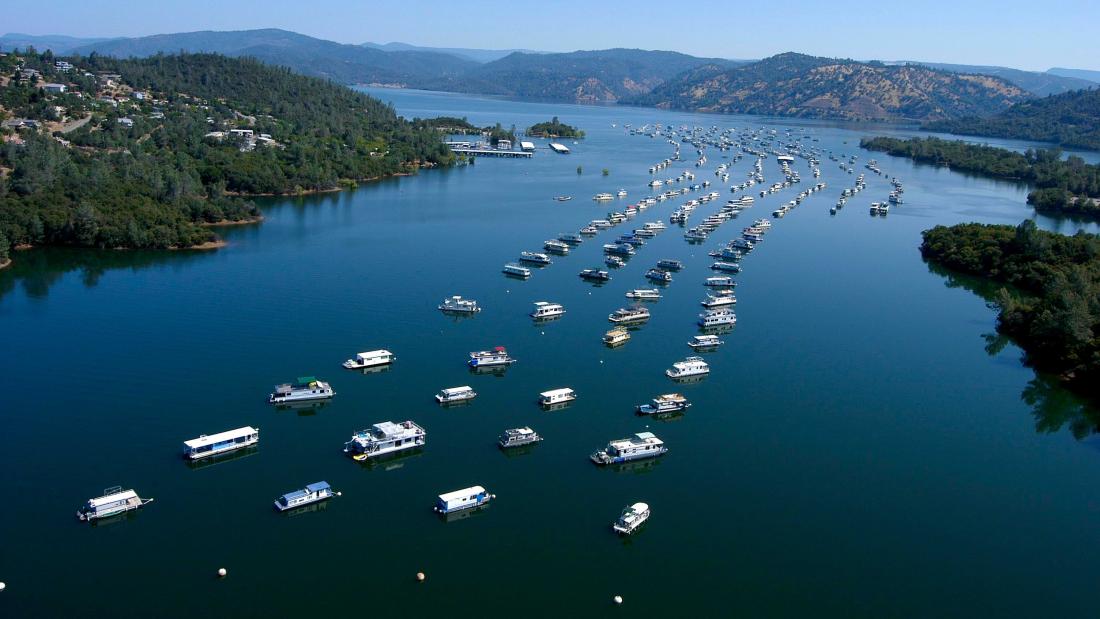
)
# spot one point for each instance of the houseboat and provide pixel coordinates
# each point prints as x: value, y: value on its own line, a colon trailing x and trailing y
x: 534, y: 258
x: 455, y: 394
x: 571, y: 238
x: 717, y: 318
x: 458, y: 305
x: 691, y: 366
x: 313, y: 493
x: 486, y: 358
x: 659, y: 275
x: 595, y: 275
x: 516, y: 270
x: 556, y: 246
x: 544, y: 310
x: 306, y: 388
x: 631, y: 519
x: 629, y: 314
x: 373, y: 358
x: 114, y: 501
x: 467, y: 498
x: 619, y: 249
x: 670, y: 265
x: 616, y: 336
x: 614, y: 261
x: 385, y: 438
x: 716, y: 301
x: 603, y: 197
x: 518, y: 437
x: 667, y: 403
x: 644, y: 294
x: 700, y: 342
x: 727, y: 267
x: 638, y: 447
x: 723, y: 281
x: 557, y: 396
x: 222, y: 442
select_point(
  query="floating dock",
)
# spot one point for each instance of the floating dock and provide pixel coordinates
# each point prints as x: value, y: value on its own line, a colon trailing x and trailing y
x: 559, y: 148
x: 470, y: 150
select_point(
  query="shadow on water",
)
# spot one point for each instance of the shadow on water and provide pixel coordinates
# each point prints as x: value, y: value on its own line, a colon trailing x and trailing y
x: 1053, y: 406
x: 37, y: 270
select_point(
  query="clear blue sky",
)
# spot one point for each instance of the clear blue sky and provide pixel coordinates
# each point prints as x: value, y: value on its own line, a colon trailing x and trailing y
x: 1030, y: 35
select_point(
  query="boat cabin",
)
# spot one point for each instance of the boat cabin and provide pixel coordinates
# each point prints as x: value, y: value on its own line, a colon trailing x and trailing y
x: 467, y: 498
x: 221, y: 442
x: 557, y: 396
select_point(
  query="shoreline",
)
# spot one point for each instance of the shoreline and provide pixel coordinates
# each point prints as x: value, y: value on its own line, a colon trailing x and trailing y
x: 229, y: 222
x: 351, y: 184
x: 5, y: 264
x: 207, y: 246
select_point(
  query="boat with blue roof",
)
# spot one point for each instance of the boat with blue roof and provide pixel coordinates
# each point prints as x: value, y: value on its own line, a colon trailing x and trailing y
x: 313, y: 493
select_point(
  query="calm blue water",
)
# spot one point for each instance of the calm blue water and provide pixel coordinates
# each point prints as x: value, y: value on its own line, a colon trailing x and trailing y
x: 855, y: 451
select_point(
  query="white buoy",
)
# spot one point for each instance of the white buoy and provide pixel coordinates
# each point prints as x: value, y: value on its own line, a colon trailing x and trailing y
x: 339, y: 494
x: 618, y: 599
x: 3, y: 586
x: 222, y: 572
x: 420, y: 576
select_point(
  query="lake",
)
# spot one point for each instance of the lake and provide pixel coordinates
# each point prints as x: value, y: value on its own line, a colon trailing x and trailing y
x: 863, y: 447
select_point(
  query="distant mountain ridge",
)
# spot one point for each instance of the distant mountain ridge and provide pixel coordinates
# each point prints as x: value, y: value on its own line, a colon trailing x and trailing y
x: 58, y: 43
x: 1035, y: 82
x: 1083, y: 74
x: 793, y: 84
x: 1069, y: 119
x: 477, y: 55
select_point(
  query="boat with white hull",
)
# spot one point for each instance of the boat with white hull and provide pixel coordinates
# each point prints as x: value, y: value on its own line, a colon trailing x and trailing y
x: 631, y: 519
x: 385, y: 438
x: 638, y: 447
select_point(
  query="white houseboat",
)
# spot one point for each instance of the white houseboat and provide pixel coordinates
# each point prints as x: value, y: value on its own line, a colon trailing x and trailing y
x: 616, y: 336
x: 704, y: 341
x: 631, y: 519
x: 667, y: 403
x: 486, y: 358
x: 214, y: 444
x: 385, y: 438
x: 640, y: 446
x: 306, y: 388
x: 313, y: 493
x: 546, y: 309
x: 629, y: 314
x: 113, y: 502
x: 717, y: 318
x: 371, y: 358
x: 458, y: 305
x: 455, y: 394
x: 518, y: 437
x: 557, y: 396
x: 467, y: 498
x: 691, y: 366
x: 516, y: 270
x: 644, y: 294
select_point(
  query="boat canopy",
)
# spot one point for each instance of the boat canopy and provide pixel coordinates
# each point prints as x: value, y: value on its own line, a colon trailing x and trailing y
x: 371, y: 354
x: 318, y: 487
x: 460, y: 495
x: 114, y: 497
x: 556, y: 393
x: 220, y: 437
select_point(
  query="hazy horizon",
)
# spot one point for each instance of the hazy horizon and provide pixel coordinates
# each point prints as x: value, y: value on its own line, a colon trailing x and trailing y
x: 934, y: 31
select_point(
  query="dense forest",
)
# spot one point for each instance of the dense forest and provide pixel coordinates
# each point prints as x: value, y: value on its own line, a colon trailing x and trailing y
x: 1052, y: 303
x: 1067, y: 186
x: 157, y: 157
x: 461, y: 126
x: 554, y: 129
x: 1069, y: 119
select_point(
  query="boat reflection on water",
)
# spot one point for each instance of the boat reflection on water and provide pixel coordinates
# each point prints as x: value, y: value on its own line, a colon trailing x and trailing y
x: 238, y: 454
x: 518, y: 452
x: 716, y: 330
x: 557, y: 406
x: 668, y: 416
x: 393, y: 461
x: 378, y: 369
x: 690, y: 380
x: 304, y: 409
x: 493, y: 370
x: 305, y: 509
x: 637, y: 467
x: 116, y: 520
x: 463, y: 514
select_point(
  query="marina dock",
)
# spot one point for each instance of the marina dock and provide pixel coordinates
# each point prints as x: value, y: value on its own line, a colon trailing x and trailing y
x: 465, y: 148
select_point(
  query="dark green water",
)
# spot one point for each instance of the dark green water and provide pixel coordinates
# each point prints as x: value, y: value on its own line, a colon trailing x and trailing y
x: 855, y: 451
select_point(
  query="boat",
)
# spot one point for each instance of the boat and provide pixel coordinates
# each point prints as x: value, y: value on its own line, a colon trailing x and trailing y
x: 631, y: 519
x: 589, y: 230
x: 458, y: 305
x: 373, y: 358
x: 516, y: 270
x: 546, y: 309
x: 603, y: 197
x: 638, y: 447
x: 313, y: 493
x: 659, y: 275
x: 534, y: 257
x: 600, y: 224
x: 557, y: 396
x: 741, y: 244
x: 691, y: 366
x: 467, y: 498
x: 619, y: 249
x: 614, y: 261
x: 518, y: 437
x: 620, y: 193
x: 705, y: 341
x: 670, y: 265
x: 385, y: 438
x: 222, y: 442
x: 616, y: 336
x: 723, y: 281
x: 667, y: 403
x: 728, y: 267
x: 572, y: 239
x: 629, y: 314
x: 561, y: 149
x: 556, y: 246
x: 305, y: 388
x: 563, y: 198
x: 113, y: 502
x: 455, y: 394
x: 486, y: 358
x: 717, y: 318
x: 645, y: 294
x: 713, y: 301
x: 595, y: 275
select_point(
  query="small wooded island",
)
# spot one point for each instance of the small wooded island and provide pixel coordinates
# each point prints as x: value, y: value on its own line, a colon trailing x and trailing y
x: 148, y: 153
x: 554, y: 129
x: 1066, y: 186
x: 1051, y: 300
x: 461, y: 126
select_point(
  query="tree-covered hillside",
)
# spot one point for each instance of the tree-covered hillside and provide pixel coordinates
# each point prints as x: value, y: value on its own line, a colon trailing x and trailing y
x: 1070, y: 119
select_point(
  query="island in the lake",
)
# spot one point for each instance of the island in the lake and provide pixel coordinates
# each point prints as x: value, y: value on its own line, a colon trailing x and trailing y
x: 554, y: 129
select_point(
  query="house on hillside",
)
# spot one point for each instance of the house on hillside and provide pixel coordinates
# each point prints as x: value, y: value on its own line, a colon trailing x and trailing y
x: 55, y: 89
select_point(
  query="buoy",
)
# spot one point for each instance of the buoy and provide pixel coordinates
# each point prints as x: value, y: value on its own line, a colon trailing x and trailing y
x: 420, y: 576
x: 222, y: 572
x: 3, y: 586
x: 339, y: 494
x: 618, y: 599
